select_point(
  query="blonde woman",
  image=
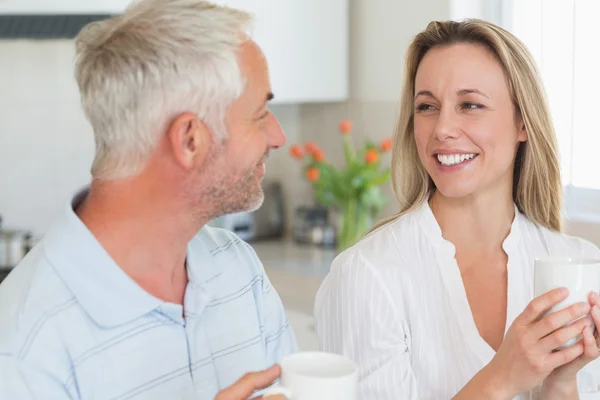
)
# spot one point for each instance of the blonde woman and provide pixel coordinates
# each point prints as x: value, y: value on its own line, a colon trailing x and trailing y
x: 437, y: 302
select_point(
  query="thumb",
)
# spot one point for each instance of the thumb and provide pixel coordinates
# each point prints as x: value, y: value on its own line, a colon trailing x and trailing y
x: 250, y: 383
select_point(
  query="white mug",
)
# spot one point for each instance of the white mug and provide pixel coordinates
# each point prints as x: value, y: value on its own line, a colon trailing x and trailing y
x: 317, y: 376
x: 579, y: 276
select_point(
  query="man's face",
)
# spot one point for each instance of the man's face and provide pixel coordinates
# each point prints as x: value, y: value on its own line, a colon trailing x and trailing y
x: 237, y: 166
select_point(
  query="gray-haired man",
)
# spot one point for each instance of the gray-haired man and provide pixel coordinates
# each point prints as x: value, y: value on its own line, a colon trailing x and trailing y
x: 131, y: 295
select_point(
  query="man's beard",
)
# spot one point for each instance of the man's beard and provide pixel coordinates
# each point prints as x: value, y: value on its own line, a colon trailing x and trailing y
x: 231, y: 197
x: 218, y: 195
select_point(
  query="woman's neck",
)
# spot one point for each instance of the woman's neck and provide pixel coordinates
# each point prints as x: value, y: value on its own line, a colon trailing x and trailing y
x: 477, y: 224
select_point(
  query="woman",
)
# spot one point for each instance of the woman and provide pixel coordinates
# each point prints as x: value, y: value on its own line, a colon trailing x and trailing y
x: 437, y: 301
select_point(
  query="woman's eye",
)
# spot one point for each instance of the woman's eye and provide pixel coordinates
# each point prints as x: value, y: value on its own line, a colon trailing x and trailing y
x: 424, y: 107
x: 472, y: 106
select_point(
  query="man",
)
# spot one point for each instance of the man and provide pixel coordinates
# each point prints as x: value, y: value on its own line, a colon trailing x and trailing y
x: 131, y: 295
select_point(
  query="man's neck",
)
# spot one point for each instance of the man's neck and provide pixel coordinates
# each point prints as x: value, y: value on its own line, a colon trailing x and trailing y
x: 147, y: 239
x: 475, y: 225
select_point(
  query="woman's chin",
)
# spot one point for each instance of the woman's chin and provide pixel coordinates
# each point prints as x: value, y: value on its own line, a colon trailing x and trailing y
x: 455, y: 191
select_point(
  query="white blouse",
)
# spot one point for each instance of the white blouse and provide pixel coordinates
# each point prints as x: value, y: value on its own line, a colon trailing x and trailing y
x: 396, y: 304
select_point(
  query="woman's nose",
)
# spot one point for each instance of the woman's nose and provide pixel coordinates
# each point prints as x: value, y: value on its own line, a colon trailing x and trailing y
x: 447, y: 126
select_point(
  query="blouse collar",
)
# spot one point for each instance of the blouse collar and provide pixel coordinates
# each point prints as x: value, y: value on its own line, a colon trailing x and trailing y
x: 432, y: 229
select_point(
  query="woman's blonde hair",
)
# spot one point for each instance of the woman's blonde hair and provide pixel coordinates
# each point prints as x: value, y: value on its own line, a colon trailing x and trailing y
x: 537, y: 189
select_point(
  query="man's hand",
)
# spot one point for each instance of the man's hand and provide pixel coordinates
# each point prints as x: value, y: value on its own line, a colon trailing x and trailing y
x: 250, y: 383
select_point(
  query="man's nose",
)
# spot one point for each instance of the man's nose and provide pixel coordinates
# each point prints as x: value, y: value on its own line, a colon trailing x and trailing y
x: 275, y: 136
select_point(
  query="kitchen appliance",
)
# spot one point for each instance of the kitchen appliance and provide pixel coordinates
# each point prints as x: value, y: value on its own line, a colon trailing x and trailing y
x: 242, y: 224
x: 311, y: 226
x: 14, y: 245
x: 269, y: 219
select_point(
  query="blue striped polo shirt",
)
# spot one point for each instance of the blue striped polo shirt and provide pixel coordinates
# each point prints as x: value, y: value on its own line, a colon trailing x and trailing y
x: 73, y: 325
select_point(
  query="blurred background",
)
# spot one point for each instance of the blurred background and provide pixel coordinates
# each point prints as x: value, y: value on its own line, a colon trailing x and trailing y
x: 330, y: 61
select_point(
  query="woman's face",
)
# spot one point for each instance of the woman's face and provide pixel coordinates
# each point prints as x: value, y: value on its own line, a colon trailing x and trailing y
x: 465, y: 125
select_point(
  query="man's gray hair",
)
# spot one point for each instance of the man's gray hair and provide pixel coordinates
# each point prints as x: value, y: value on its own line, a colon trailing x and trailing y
x: 136, y: 72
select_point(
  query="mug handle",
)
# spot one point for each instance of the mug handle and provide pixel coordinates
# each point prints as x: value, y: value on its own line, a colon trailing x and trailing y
x: 277, y: 390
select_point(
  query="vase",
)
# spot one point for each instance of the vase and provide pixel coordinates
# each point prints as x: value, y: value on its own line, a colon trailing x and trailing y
x: 356, y: 219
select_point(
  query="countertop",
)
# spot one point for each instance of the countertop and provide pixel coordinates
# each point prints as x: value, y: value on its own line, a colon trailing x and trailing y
x: 295, y: 270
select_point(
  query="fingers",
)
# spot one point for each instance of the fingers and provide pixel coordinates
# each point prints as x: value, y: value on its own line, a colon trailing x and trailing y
x: 595, y: 303
x: 249, y: 383
x: 565, y: 356
x: 563, y: 335
x: 557, y: 320
x: 596, y: 315
x: 277, y: 397
x: 590, y: 348
x: 543, y: 303
x: 594, y: 299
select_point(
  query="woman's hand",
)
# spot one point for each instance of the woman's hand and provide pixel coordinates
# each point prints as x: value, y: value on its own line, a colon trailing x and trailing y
x: 564, y: 379
x: 527, y: 356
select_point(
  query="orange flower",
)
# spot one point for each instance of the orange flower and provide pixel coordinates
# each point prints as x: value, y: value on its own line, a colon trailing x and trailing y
x: 371, y: 156
x: 319, y: 155
x: 311, y: 147
x: 386, y: 145
x: 345, y: 127
x: 297, y: 151
x: 313, y: 174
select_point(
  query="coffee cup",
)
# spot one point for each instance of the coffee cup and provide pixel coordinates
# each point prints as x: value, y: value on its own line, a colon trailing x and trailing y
x: 579, y: 276
x: 317, y: 376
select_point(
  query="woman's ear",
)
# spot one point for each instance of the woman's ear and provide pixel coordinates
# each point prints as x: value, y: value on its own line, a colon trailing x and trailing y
x: 522, y: 135
x: 189, y: 139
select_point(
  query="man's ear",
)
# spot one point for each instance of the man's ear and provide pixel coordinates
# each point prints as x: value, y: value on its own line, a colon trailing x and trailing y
x: 189, y: 139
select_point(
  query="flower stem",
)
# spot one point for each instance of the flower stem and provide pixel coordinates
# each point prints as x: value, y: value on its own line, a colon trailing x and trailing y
x: 349, y: 150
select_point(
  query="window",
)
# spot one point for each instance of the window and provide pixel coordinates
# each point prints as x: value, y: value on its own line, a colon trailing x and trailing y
x: 561, y: 35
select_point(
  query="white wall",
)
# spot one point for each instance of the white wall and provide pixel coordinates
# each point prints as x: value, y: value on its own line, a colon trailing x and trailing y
x: 490, y: 10
x: 46, y: 145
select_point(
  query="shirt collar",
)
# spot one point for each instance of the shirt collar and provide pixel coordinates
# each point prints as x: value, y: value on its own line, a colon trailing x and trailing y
x: 433, y: 230
x: 106, y: 293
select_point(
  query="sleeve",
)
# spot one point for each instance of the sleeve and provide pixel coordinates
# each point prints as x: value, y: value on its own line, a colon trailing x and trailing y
x: 278, y: 334
x: 356, y: 317
x: 19, y: 380
x: 588, y: 379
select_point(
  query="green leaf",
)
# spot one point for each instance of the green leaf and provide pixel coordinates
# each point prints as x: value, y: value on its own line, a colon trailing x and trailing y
x: 324, y: 197
x: 340, y: 188
x: 382, y: 178
x: 349, y: 151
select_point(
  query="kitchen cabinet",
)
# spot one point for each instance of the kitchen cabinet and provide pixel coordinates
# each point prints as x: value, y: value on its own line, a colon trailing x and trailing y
x: 305, y: 41
x: 306, y: 45
x: 62, y: 7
